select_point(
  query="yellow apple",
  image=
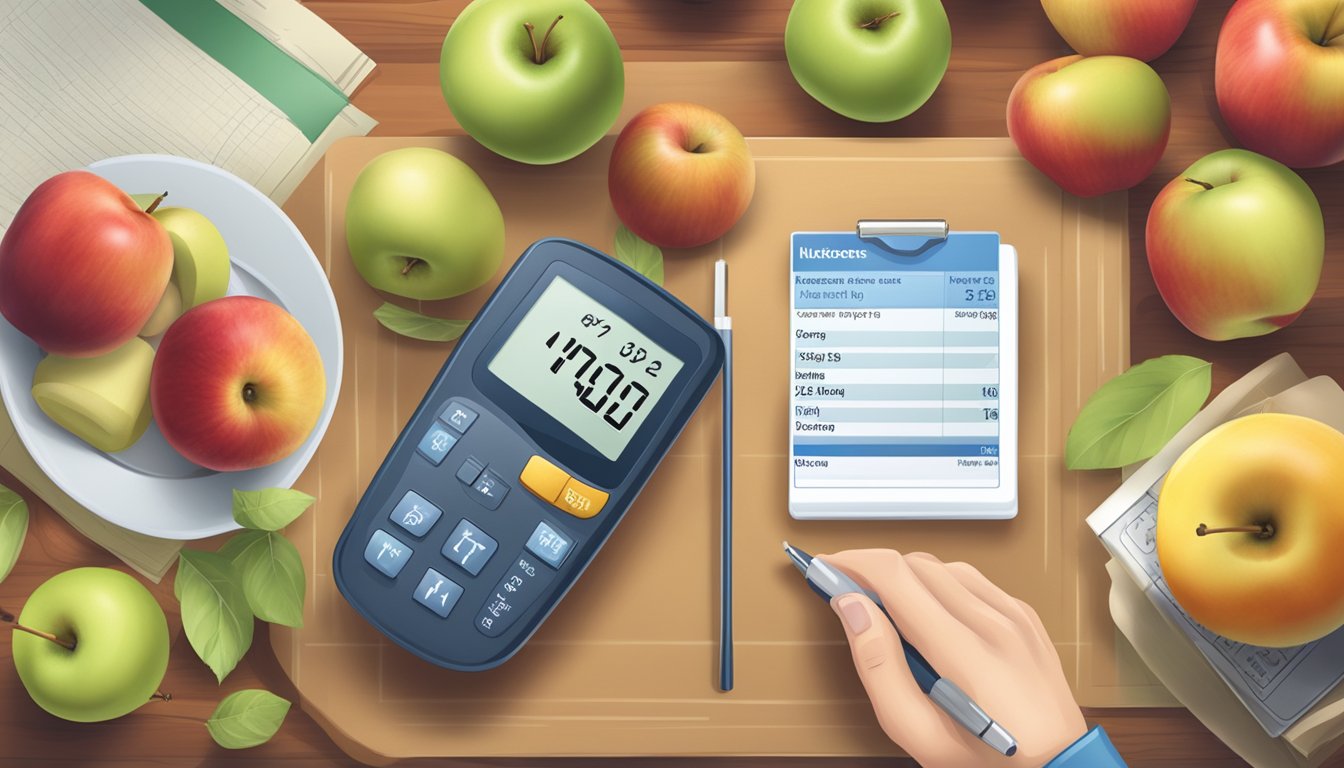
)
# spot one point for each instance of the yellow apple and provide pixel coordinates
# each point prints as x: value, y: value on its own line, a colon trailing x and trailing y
x: 170, y: 306
x: 200, y: 256
x: 1250, y: 530
x: 103, y: 400
x: 200, y: 263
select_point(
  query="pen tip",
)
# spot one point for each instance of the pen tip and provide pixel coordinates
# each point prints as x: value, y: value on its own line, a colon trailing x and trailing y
x: 786, y: 546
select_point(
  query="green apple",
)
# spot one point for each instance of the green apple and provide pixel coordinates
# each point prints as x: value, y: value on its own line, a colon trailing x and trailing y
x: 1236, y: 243
x: 421, y: 224
x: 537, y: 81
x: 200, y: 262
x: 120, y: 645
x: 102, y: 400
x: 870, y: 60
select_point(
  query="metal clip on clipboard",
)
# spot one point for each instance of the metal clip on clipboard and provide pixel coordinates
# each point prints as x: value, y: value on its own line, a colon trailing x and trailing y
x: 903, y: 237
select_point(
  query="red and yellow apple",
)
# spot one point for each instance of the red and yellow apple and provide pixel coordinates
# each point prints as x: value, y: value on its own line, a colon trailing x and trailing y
x: 1236, y: 244
x: 1143, y: 29
x: 1250, y: 526
x: 237, y: 384
x: 82, y: 267
x: 1092, y: 124
x: 681, y: 175
x: 1279, y: 79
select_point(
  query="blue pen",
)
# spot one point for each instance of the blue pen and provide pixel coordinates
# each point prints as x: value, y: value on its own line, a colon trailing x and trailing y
x: 831, y: 582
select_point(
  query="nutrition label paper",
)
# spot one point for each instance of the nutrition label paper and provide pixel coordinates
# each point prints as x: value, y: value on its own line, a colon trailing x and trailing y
x: 903, y: 376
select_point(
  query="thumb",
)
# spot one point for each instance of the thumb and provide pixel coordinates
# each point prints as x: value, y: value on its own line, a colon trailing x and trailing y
x: 905, y: 713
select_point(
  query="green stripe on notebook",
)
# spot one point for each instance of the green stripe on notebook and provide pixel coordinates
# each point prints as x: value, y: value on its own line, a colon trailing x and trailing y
x: 309, y: 101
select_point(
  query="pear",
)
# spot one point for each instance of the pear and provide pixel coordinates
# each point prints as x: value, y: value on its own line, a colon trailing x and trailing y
x: 103, y: 400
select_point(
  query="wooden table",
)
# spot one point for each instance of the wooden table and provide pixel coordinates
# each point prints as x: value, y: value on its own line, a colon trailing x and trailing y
x: 994, y: 41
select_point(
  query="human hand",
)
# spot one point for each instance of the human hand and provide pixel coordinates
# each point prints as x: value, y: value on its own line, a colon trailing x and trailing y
x: 993, y: 646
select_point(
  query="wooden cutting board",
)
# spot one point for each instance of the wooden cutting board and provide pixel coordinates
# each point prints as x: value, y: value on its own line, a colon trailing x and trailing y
x: 627, y: 663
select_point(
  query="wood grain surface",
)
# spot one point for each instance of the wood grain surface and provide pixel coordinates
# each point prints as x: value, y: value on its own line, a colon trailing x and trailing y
x: 993, y: 42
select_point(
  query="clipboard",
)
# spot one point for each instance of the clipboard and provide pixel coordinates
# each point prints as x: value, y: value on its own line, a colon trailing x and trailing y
x: 902, y: 373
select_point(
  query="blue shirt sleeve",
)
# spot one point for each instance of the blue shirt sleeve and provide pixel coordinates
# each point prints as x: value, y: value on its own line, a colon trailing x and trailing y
x: 1093, y: 750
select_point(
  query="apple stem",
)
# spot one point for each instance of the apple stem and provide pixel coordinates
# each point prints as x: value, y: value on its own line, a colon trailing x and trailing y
x: 1261, y: 531
x: 877, y: 22
x: 161, y: 696
x: 155, y: 205
x: 1203, y: 184
x: 8, y: 618
x: 410, y: 264
x: 538, y: 51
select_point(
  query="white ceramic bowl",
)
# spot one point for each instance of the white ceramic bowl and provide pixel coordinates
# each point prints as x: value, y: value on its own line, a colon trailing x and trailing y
x: 149, y: 487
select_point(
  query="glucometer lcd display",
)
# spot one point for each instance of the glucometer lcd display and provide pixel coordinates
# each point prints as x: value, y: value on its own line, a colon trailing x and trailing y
x: 586, y: 366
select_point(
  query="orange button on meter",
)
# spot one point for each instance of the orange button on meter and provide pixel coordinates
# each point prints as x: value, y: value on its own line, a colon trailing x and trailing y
x: 543, y: 478
x: 555, y: 486
x: 581, y: 500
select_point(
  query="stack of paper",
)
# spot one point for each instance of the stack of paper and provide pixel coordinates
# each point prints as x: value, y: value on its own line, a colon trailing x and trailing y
x: 1273, y: 706
x: 260, y: 92
x: 259, y: 88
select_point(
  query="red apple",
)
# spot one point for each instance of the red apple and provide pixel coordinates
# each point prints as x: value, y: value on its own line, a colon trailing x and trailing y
x: 237, y: 384
x: 1144, y: 29
x: 1279, y: 78
x: 1093, y: 124
x: 681, y: 175
x: 82, y: 267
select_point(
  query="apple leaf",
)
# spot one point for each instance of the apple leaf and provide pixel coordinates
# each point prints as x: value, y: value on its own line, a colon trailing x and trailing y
x: 215, y: 614
x: 269, y: 509
x: 271, y: 573
x: 13, y: 529
x: 1132, y: 416
x: 642, y: 256
x: 247, y: 718
x: 405, y: 322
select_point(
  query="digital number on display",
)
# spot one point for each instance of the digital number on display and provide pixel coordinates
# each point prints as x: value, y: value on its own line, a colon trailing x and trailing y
x: 585, y: 366
x: 593, y: 376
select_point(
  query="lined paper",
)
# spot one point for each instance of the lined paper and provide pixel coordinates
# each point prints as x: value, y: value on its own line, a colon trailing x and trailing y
x: 85, y: 80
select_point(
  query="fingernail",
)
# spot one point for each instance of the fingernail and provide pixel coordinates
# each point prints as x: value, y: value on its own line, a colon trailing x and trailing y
x: 854, y: 613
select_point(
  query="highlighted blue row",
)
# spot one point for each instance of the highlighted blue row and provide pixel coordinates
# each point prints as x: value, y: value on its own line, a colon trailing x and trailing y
x: 969, y: 450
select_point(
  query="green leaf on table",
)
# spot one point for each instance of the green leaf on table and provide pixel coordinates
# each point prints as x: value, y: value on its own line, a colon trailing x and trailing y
x: 271, y: 573
x: 13, y: 529
x: 639, y: 255
x: 247, y: 718
x: 414, y: 325
x: 215, y: 614
x: 1132, y: 416
x: 269, y: 509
